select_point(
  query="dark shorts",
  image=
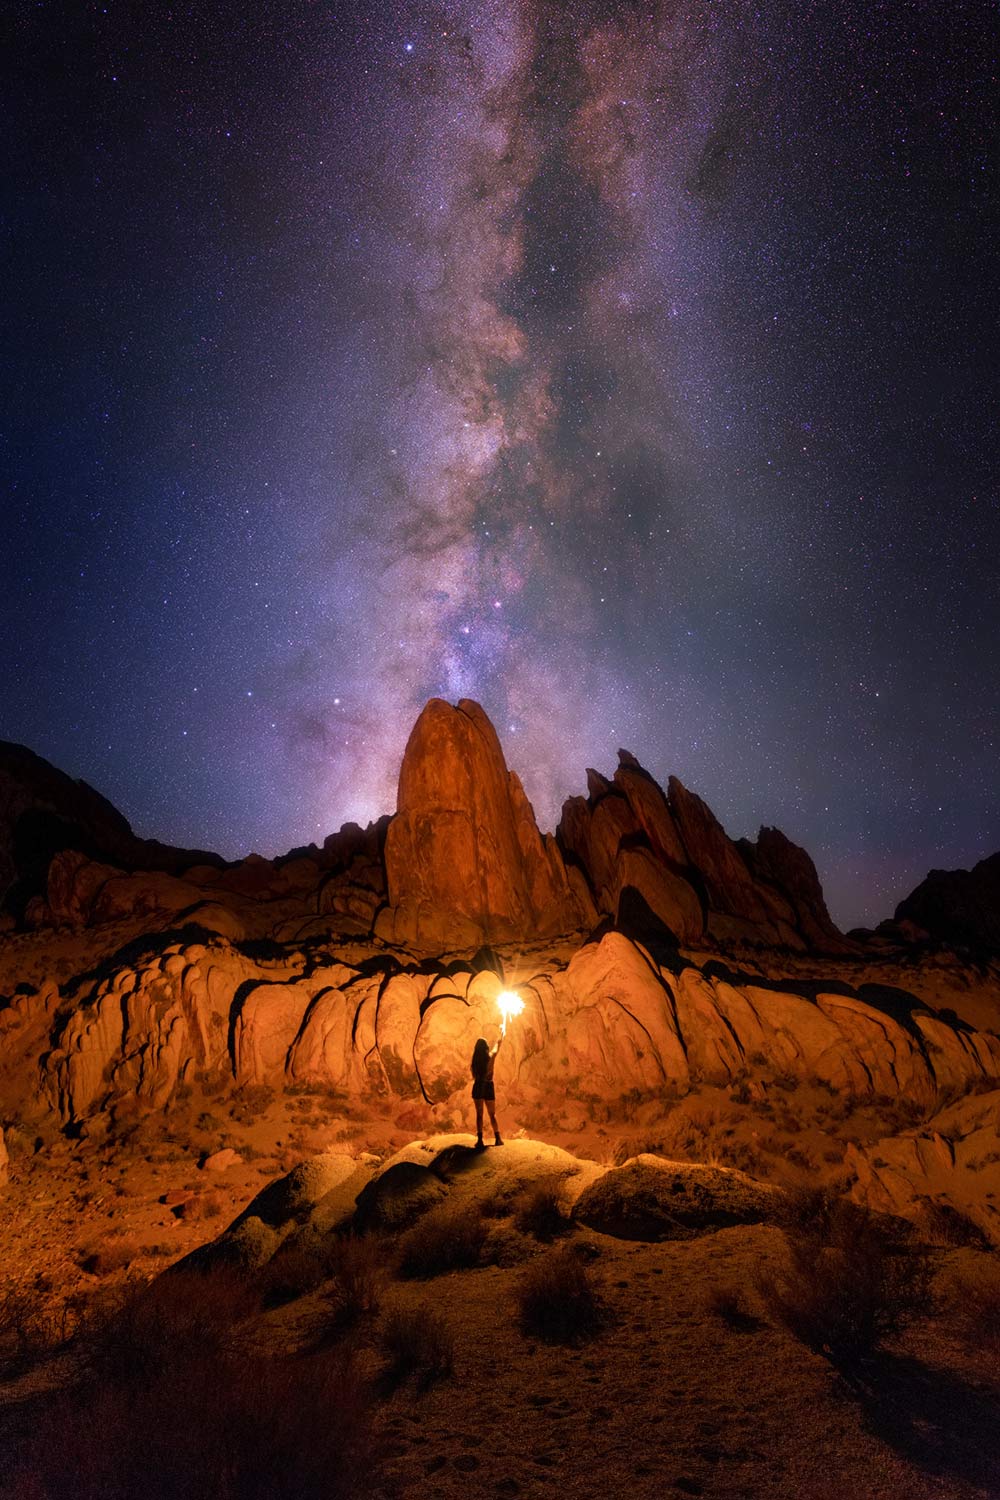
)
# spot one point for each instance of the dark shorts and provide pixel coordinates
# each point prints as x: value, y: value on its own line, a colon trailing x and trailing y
x: 484, y: 1090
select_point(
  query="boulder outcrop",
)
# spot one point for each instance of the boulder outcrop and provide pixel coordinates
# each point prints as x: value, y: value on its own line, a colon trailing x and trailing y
x: 650, y: 1198
x: 464, y: 860
x: 608, y: 1024
x: 945, y: 1174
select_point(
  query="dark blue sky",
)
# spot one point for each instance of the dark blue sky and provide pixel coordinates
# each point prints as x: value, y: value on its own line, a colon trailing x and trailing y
x: 631, y: 368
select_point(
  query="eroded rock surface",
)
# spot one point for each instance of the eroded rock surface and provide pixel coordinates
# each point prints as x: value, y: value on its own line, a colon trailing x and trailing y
x: 945, y: 1175
x: 649, y: 1198
x: 608, y: 1022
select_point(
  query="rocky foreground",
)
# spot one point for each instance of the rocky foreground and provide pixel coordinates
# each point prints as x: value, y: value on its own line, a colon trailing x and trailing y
x: 678, y: 986
x: 526, y: 1320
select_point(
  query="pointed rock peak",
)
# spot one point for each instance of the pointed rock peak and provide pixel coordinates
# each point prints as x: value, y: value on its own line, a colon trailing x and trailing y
x: 598, y: 786
x: 474, y: 711
x: 464, y: 860
x: 626, y: 758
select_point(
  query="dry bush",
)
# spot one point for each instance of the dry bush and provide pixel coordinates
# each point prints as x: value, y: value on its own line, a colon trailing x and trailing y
x: 944, y: 1224
x: 209, y: 1204
x: 416, y: 1341
x: 976, y: 1310
x: 293, y: 1271
x: 538, y: 1211
x: 104, y: 1259
x: 556, y: 1298
x: 847, y: 1284
x: 358, y: 1266
x: 446, y: 1239
x: 498, y: 1202
x: 243, y: 1428
x: 183, y: 1317
x: 32, y: 1325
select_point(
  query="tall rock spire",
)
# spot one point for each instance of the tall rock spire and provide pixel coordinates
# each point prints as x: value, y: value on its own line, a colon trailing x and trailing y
x: 465, y: 862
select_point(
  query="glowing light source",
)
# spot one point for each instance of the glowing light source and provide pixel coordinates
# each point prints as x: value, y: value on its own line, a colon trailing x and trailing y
x: 510, y: 1004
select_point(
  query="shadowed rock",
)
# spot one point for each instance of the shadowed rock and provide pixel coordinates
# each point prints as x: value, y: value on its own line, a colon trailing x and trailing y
x: 957, y: 906
x: 397, y: 1197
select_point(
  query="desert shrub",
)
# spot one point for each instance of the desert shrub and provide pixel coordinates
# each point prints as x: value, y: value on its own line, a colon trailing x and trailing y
x: 293, y: 1271
x: 446, y: 1239
x: 944, y: 1224
x: 538, y: 1211
x: 209, y: 1204
x: 498, y: 1202
x: 556, y: 1298
x: 358, y: 1267
x: 252, y: 1101
x: 31, y: 1325
x: 847, y: 1283
x: 246, y: 1428
x: 976, y: 1310
x: 416, y: 1341
x: 104, y: 1259
x: 183, y: 1317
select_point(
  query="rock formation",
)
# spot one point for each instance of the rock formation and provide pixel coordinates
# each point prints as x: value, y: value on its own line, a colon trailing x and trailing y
x: 465, y: 863
x: 461, y: 863
x: 610, y: 1022
x: 948, y: 1171
x: 43, y: 811
x: 957, y: 906
x: 368, y: 966
x: 630, y: 839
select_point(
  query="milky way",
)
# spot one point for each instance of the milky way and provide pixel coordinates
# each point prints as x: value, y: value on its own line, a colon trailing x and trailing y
x: 625, y: 367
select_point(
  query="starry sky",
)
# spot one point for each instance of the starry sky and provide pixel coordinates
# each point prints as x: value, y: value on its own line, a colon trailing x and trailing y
x: 630, y: 368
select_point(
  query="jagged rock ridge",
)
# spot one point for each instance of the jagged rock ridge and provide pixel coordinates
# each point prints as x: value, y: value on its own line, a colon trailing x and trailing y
x: 630, y: 838
x: 461, y: 863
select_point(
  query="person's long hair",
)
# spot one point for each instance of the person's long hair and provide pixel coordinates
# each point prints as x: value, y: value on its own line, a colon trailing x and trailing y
x: 480, y: 1059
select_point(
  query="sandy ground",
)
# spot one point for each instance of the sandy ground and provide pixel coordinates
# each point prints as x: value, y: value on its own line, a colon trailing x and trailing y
x: 668, y: 1399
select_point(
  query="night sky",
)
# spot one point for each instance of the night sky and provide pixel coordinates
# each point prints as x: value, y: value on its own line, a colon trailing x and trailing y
x: 629, y: 368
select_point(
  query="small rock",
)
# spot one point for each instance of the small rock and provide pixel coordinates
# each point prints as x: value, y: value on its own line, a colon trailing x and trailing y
x: 176, y: 1196
x: 220, y: 1161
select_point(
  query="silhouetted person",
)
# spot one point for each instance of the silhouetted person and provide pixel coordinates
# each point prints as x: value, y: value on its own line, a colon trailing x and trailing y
x: 483, y: 1092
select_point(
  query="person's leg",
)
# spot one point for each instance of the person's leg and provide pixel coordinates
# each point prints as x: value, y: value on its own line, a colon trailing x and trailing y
x: 493, y: 1121
x: 479, y: 1121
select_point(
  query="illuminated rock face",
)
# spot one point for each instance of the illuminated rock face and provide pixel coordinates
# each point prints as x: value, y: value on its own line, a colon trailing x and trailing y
x: 609, y: 1022
x: 464, y: 860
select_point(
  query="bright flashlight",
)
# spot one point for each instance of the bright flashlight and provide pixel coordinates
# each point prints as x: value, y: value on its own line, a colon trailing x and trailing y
x: 510, y: 1004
